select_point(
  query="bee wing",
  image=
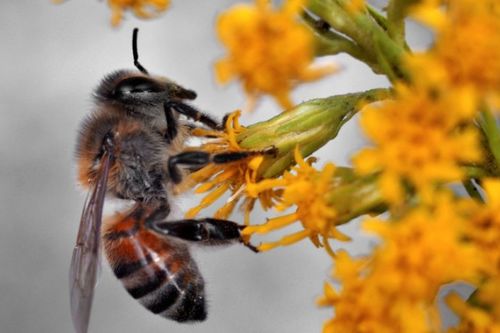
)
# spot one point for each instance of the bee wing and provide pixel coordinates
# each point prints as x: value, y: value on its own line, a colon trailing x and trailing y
x: 86, y: 254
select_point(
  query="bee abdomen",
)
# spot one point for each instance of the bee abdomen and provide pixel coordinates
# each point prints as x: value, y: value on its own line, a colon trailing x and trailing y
x: 191, y: 305
x: 148, y: 287
x: 162, y: 277
x: 178, y: 296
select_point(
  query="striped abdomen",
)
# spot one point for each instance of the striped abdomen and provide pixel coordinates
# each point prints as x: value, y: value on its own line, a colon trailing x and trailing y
x: 156, y: 270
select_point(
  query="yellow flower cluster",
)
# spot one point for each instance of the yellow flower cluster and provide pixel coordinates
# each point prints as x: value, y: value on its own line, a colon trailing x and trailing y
x: 475, y: 319
x: 308, y: 189
x: 394, y: 289
x: 268, y: 50
x: 419, y: 137
x: 141, y: 8
x: 482, y: 315
x: 218, y: 179
x: 484, y: 229
x: 467, y: 44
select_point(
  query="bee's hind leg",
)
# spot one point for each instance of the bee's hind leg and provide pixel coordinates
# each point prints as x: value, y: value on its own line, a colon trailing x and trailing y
x: 205, y: 231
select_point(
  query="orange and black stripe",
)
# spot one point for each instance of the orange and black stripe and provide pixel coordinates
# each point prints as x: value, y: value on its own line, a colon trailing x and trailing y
x: 156, y: 270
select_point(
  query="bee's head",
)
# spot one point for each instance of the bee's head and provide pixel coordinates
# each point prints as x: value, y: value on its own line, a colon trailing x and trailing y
x: 134, y: 90
x: 131, y: 89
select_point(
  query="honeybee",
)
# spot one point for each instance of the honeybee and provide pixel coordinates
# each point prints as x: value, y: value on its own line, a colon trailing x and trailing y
x: 132, y: 147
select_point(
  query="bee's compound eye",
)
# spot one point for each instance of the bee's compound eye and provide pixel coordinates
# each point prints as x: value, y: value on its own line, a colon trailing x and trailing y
x: 137, y: 85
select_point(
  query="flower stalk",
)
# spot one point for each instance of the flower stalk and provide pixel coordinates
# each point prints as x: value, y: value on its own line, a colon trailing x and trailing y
x: 491, y: 131
x: 355, y: 195
x: 363, y: 28
x: 396, y: 14
x: 328, y: 42
x: 309, y: 126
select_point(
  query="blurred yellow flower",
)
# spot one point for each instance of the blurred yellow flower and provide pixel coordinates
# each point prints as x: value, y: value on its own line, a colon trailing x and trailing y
x: 482, y: 315
x: 394, y: 288
x: 269, y: 50
x: 141, y: 8
x: 467, y: 44
x: 484, y: 228
x: 308, y: 190
x: 473, y: 319
x: 419, y: 137
x: 355, y: 6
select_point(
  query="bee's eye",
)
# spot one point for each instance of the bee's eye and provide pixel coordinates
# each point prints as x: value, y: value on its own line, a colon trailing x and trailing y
x: 137, y: 84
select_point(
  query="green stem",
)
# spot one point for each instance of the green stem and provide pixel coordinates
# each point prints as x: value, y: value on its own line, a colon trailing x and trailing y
x: 492, y: 133
x: 379, y: 18
x: 396, y: 13
x: 309, y: 125
x: 328, y: 42
x: 340, y: 20
x: 388, y: 52
x: 474, y: 172
x: 366, y: 32
x: 356, y: 196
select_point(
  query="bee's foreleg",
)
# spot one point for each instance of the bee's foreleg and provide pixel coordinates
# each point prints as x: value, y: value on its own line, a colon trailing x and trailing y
x: 171, y: 132
x: 193, y: 113
x: 198, y: 159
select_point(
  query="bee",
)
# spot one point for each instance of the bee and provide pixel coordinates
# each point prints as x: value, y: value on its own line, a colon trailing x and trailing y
x: 132, y: 147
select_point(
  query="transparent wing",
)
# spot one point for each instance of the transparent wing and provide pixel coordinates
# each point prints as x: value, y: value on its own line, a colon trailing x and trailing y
x: 86, y: 254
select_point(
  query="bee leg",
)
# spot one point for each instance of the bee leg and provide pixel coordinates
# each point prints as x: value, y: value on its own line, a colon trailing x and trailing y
x: 194, y: 114
x: 198, y: 159
x: 171, y: 123
x: 205, y: 231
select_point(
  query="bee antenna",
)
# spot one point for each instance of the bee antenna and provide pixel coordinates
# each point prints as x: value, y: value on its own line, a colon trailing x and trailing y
x: 136, y: 54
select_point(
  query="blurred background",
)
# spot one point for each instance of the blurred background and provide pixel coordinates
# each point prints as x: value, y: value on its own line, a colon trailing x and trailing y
x: 52, y: 57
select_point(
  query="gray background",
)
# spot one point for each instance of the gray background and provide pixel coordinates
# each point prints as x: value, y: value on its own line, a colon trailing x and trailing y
x: 51, y: 59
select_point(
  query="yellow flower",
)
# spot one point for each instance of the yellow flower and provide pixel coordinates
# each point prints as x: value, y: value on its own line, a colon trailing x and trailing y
x: 141, y: 8
x: 482, y: 315
x: 217, y: 179
x: 467, y: 43
x: 394, y: 288
x: 419, y: 137
x: 308, y: 190
x: 268, y: 50
x: 429, y: 12
x: 417, y: 248
x: 473, y: 319
x: 484, y: 228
